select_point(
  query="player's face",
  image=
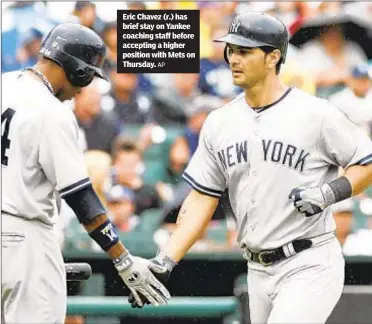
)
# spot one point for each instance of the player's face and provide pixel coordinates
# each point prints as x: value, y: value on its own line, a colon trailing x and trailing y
x: 249, y: 66
x: 68, y: 92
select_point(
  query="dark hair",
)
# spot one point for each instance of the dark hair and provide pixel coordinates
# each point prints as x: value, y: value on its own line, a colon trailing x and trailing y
x: 124, y: 144
x: 269, y: 49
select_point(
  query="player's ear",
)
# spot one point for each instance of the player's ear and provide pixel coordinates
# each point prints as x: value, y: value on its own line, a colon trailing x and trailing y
x: 273, y: 58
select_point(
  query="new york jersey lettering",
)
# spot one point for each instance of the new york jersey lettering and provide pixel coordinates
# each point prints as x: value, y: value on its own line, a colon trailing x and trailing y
x: 285, y: 154
x: 233, y: 154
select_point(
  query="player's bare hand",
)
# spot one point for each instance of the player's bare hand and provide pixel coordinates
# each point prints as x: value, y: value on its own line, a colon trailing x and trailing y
x: 137, y: 276
x: 310, y: 201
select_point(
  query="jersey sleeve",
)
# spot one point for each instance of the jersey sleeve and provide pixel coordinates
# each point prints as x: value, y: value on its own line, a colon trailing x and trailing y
x: 341, y: 142
x: 203, y: 172
x: 60, y: 155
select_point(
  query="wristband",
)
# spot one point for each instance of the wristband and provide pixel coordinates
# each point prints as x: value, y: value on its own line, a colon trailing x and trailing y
x: 337, y: 190
x: 105, y: 235
x: 342, y: 188
x: 123, y: 262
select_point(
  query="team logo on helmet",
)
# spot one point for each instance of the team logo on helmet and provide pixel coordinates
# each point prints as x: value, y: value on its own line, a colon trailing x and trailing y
x: 45, y: 51
x: 235, y: 25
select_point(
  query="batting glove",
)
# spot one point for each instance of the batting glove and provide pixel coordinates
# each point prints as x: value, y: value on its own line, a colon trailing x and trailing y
x: 137, y: 276
x: 312, y: 201
x: 161, y: 266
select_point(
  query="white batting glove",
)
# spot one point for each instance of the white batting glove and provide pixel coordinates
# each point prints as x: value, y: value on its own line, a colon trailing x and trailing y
x: 136, y: 274
x: 312, y: 201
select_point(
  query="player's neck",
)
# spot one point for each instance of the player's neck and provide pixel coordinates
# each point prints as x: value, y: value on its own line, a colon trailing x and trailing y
x: 51, y: 74
x: 264, y: 93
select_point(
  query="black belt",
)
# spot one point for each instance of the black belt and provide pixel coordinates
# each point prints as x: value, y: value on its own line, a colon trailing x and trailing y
x: 268, y: 257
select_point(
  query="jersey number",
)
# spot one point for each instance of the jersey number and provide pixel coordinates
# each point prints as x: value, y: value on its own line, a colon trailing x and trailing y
x: 6, y: 117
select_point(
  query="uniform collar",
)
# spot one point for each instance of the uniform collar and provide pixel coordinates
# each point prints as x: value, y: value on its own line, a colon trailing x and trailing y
x: 259, y: 110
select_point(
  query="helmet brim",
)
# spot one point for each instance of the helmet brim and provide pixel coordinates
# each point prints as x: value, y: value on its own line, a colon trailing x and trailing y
x: 99, y: 73
x: 240, y: 41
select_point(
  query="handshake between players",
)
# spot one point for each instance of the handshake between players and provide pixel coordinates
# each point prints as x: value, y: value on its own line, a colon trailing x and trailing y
x: 146, y: 278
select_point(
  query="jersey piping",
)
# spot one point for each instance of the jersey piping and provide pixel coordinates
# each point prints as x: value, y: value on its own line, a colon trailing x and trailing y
x: 263, y: 108
x: 365, y: 161
x: 74, y: 187
x: 200, y: 188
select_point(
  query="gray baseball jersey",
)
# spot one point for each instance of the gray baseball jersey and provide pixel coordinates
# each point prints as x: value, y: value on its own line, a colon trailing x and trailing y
x: 261, y: 155
x: 40, y: 150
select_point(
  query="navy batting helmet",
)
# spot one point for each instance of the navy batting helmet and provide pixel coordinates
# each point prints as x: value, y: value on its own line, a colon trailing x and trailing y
x: 253, y: 29
x: 78, y: 50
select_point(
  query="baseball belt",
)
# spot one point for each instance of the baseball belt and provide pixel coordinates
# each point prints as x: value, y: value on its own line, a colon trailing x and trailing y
x: 269, y: 257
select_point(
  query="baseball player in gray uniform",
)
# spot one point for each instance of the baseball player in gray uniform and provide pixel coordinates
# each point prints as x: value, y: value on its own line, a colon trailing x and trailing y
x: 277, y: 150
x: 40, y: 155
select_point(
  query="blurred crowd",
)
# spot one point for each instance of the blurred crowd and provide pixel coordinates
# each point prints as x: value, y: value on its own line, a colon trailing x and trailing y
x: 139, y: 131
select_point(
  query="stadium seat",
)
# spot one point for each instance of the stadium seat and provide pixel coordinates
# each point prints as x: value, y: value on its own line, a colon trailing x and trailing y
x: 150, y: 220
x: 156, y: 156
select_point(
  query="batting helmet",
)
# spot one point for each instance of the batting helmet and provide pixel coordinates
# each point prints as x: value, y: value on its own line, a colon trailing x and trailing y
x: 253, y: 29
x: 78, y: 50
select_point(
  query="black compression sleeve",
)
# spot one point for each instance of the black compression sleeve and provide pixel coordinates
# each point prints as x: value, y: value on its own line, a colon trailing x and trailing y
x: 86, y: 204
